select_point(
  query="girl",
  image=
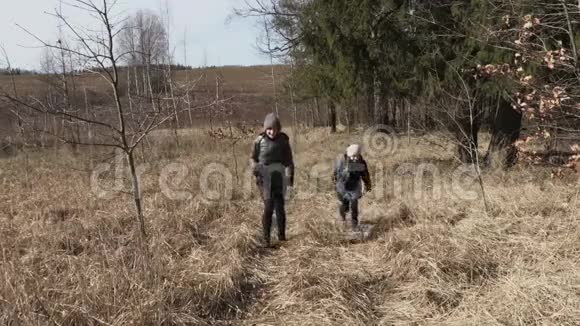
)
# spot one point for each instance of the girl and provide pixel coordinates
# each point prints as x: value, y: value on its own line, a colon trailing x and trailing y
x: 350, y: 172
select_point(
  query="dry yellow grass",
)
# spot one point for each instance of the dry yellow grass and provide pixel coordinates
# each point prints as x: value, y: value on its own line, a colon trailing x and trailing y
x: 69, y: 258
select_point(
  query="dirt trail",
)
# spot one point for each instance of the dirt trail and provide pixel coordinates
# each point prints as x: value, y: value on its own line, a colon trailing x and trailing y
x: 317, y: 277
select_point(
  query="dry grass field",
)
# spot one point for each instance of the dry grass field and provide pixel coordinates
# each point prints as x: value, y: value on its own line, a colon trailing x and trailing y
x: 71, y: 258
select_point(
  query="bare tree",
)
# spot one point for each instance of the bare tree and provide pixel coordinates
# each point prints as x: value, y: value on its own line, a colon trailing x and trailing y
x: 145, y: 41
x: 98, y: 53
x: 277, y: 16
x: 280, y: 37
x: 471, y: 99
x: 187, y: 80
x: 170, y: 85
x: 16, y: 109
x: 270, y: 52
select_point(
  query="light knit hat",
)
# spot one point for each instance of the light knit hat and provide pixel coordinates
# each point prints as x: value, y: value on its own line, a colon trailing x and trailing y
x: 353, y: 150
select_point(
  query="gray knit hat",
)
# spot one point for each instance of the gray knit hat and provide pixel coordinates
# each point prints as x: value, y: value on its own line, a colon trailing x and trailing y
x: 272, y: 121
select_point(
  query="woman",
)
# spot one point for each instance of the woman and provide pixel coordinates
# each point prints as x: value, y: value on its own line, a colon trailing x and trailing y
x: 274, y: 171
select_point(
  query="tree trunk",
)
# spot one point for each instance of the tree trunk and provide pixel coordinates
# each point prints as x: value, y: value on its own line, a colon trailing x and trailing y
x: 408, y: 106
x: 371, y: 113
x: 318, y: 123
x: 377, y: 101
x: 507, y: 124
x: 468, y: 142
x: 358, y: 112
x: 88, y: 126
x: 188, y: 98
x: 169, y: 87
x: 469, y: 123
x: 388, y: 111
x: 145, y: 92
x: 137, y: 195
x: 332, y: 116
x: 348, y: 116
x: 294, y: 107
x: 136, y: 77
x: 422, y: 117
x: 55, y: 132
x: 383, y: 114
x: 395, y: 121
x: 45, y: 130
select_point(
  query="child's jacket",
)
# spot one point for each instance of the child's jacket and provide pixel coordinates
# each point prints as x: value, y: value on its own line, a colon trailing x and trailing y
x: 349, y: 176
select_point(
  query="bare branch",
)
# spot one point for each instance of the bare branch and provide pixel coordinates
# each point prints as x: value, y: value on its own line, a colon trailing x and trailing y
x: 61, y: 113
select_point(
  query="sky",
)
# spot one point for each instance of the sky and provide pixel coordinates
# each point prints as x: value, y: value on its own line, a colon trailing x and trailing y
x: 211, y: 37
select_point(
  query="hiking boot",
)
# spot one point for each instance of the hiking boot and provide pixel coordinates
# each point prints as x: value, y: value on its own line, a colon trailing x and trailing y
x: 266, y: 243
x: 282, y: 237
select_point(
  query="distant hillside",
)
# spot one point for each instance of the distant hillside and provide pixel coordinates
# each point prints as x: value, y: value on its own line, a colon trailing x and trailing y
x: 250, y: 89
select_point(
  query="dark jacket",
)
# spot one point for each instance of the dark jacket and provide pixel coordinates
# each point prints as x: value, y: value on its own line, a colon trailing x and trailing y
x: 268, y: 151
x: 349, y: 176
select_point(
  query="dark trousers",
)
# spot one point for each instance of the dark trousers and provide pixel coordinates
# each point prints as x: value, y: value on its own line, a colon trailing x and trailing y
x: 346, y: 205
x: 273, y: 201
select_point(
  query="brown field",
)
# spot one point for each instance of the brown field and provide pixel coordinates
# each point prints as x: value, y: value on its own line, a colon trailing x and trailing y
x: 71, y: 258
x: 249, y: 90
x: 235, y: 79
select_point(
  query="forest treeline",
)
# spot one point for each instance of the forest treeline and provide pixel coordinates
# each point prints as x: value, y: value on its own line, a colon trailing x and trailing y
x: 456, y: 65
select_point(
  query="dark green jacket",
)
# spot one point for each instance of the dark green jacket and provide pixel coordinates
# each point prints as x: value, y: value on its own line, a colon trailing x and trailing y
x: 268, y: 151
